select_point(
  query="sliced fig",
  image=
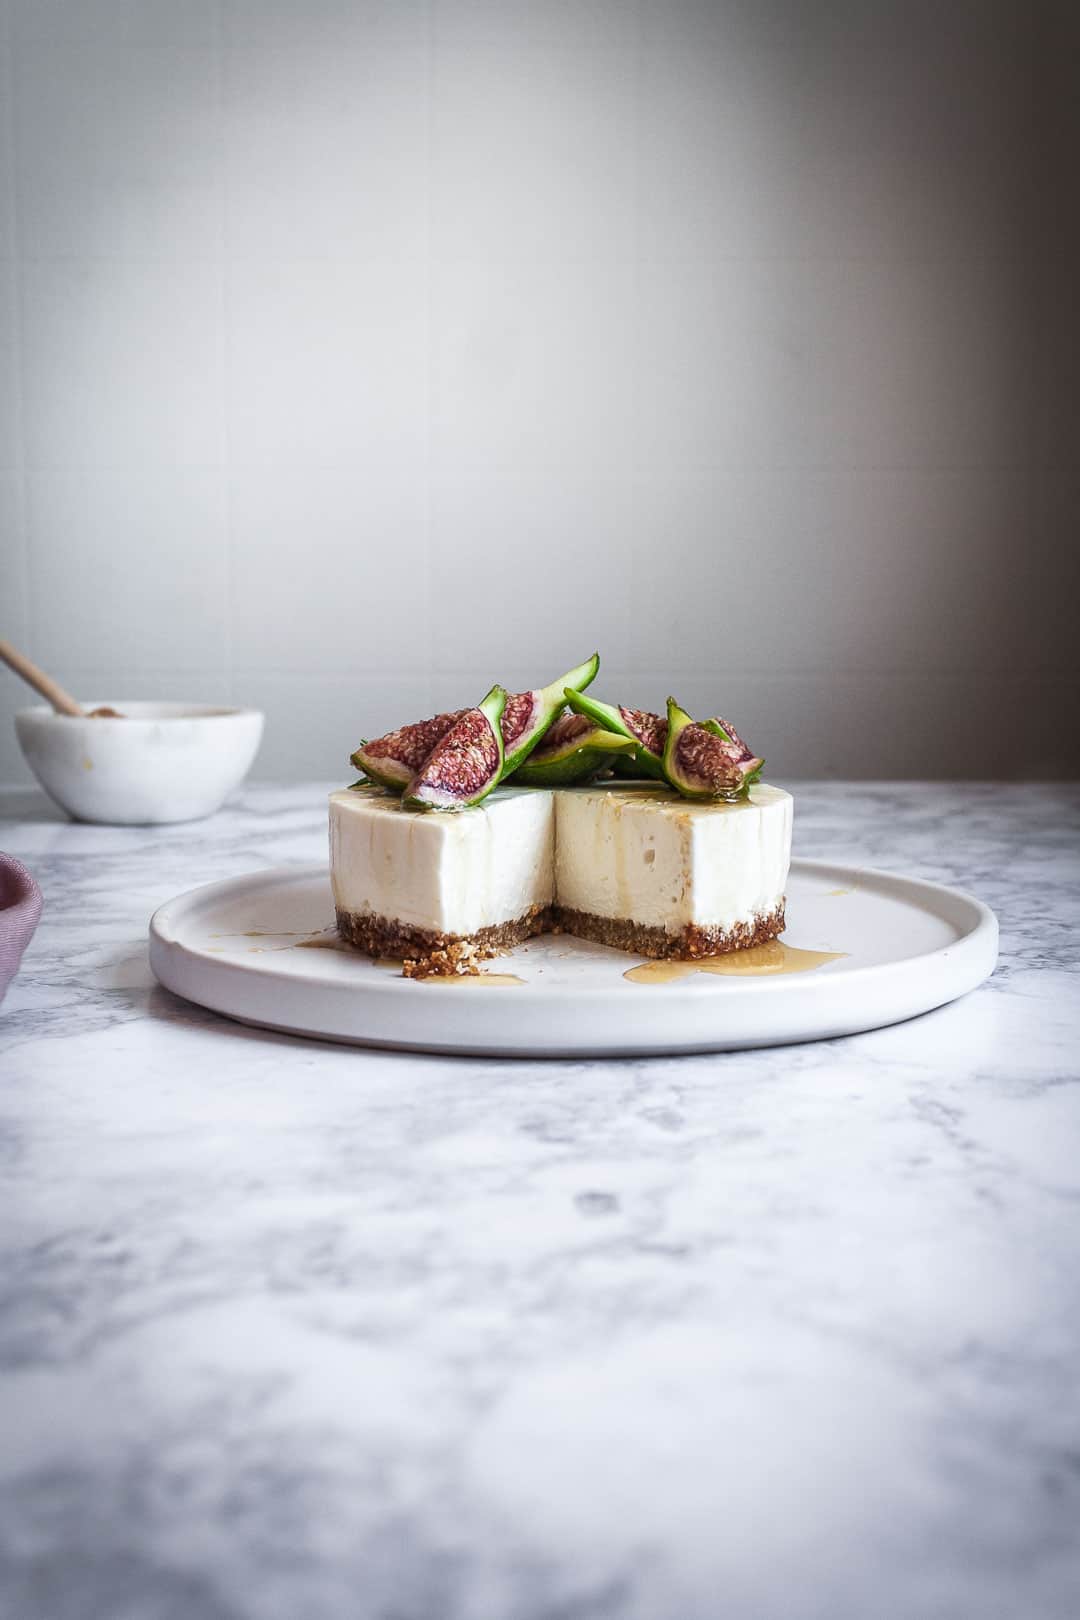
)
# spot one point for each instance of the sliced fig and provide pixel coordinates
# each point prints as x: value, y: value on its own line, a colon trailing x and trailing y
x: 572, y: 750
x: 528, y: 715
x: 466, y: 763
x: 646, y: 731
x: 702, y: 762
x: 394, y: 760
x: 725, y: 729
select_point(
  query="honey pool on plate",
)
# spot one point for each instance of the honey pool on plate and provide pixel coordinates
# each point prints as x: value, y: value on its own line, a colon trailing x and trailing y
x: 760, y: 961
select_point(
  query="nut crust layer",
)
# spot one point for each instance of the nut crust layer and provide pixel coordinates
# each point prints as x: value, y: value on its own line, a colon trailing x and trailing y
x: 438, y: 953
x: 641, y: 939
x: 428, y: 954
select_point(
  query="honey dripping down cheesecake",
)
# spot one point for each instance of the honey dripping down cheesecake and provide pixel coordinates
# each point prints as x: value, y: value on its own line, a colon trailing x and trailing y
x: 481, y: 828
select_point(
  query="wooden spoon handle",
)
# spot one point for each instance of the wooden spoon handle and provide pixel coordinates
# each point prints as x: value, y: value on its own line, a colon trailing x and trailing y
x: 51, y: 690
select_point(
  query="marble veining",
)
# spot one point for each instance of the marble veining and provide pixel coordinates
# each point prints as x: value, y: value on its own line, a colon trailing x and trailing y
x: 289, y: 1330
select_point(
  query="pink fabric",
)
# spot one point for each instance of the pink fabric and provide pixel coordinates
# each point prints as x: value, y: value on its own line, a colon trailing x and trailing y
x: 20, y: 908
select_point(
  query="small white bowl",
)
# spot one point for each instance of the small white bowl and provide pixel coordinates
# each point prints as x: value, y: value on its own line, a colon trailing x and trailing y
x: 162, y: 762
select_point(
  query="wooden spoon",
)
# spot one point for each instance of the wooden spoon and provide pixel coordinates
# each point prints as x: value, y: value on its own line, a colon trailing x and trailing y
x: 51, y: 690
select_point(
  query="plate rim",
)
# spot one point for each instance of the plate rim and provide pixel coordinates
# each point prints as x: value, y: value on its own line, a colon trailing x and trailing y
x: 368, y: 1012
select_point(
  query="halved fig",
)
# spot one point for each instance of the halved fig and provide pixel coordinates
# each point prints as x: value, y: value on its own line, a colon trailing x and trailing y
x: 528, y: 715
x: 466, y: 764
x: 573, y: 750
x: 394, y: 760
x: 702, y: 762
x: 646, y: 731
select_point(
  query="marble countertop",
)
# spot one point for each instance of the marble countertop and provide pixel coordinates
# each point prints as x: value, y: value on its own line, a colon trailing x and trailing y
x: 296, y: 1332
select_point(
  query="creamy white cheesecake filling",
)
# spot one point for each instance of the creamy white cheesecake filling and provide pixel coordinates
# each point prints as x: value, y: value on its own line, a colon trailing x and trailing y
x: 642, y: 854
x: 634, y: 853
x: 445, y: 873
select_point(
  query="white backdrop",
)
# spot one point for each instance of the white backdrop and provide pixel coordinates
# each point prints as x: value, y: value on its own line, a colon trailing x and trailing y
x: 357, y: 353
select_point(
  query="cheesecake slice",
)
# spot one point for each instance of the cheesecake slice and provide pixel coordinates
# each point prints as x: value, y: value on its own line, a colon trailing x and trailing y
x: 443, y: 889
x: 631, y: 865
x: 643, y: 869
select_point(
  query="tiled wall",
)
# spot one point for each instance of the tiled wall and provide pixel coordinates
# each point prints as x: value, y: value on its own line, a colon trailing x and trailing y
x: 357, y: 353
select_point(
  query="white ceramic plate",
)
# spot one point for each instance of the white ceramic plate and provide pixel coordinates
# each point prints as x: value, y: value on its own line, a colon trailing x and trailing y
x: 909, y: 946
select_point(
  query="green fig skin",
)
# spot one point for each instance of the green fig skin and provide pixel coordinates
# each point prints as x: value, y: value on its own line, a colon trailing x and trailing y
x: 391, y: 778
x: 678, y: 720
x: 447, y: 782
x: 582, y: 757
x: 549, y: 705
x: 384, y: 779
x: 626, y: 767
x: 609, y: 718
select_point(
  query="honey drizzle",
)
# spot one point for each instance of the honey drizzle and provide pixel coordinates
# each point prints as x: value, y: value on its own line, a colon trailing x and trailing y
x: 757, y: 961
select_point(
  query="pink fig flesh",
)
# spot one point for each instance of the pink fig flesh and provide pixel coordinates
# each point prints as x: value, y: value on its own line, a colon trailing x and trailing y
x: 462, y: 766
x: 519, y: 711
x: 395, y: 758
x: 649, y: 729
x: 743, y: 752
x: 710, y: 764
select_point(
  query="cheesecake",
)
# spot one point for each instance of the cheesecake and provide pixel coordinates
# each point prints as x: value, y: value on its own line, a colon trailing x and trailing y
x: 441, y: 889
x: 632, y: 865
x: 478, y: 829
x: 644, y: 870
